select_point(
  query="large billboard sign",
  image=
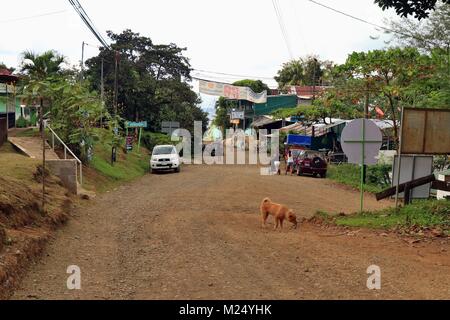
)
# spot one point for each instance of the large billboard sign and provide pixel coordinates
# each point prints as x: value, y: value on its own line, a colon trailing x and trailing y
x: 426, y: 131
x: 231, y: 92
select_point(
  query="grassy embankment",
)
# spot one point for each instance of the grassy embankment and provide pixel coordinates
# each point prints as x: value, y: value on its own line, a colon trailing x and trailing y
x: 100, y: 175
x: 422, y: 214
x: 429, y: 214
x: 350, y: 175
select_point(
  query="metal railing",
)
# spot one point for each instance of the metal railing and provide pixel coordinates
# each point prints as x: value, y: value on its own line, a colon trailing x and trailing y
x: 67, y: 150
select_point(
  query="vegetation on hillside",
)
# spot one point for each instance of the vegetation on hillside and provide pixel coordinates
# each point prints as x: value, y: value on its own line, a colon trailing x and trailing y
x: 152, y: 82
x: 421, y: 214
x: 350, y: 175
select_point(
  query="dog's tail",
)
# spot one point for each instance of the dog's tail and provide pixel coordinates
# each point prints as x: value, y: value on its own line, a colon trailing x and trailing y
x: 266, y: 200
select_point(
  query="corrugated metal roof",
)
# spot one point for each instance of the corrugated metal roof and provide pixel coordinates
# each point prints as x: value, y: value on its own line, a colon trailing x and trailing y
x: 320, y: 129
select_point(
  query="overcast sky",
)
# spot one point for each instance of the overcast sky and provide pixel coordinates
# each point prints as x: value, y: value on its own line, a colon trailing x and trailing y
x: 239, y: 37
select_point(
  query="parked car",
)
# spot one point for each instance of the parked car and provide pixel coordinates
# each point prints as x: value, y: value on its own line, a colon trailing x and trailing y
x: 312, y: 163
x: 165, y: 157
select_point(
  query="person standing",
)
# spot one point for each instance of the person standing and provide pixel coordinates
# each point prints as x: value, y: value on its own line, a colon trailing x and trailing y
x: 289, y: 163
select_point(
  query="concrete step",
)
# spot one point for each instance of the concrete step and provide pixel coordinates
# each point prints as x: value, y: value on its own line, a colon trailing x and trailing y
x: 32, y: 147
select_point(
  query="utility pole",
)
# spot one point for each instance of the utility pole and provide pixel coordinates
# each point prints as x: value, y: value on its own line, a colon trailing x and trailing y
x: 314, y: 80
x: 102, y: 93
x: 366, y: 116
x: 82, y: 62
x: 116, y: 58
x: 41, y: 120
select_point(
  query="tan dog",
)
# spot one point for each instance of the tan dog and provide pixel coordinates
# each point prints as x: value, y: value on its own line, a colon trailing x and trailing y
x: 278, y: 211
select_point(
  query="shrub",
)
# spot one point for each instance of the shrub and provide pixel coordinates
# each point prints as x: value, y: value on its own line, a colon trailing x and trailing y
x: 21, y: 122
x: 349, y: 174
x: 151, y: 139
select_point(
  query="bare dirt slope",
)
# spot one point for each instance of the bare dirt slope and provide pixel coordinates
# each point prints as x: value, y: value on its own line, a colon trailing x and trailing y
x: 197, y: 235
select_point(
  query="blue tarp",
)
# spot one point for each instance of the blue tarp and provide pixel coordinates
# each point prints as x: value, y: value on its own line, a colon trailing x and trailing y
x: 298, y: 140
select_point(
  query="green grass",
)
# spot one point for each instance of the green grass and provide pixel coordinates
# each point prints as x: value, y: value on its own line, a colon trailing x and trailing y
x: 15, y: 165
x: 350, y: 175
x: 29, y: 132
x: 424, y: 213
x: 129, y: 166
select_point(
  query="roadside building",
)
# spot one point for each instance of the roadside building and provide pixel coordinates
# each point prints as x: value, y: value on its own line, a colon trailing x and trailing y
x: 247, y: 113
x: 8, y: 103
x: 323, y: 136
x: 306, y: 94
x: 328, y: 135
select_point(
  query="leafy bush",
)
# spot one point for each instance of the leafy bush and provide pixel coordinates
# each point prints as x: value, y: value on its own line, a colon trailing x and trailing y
x: 379, y: 175
x: 74, y: 111
x: 21, y: 122
x: 151, y: 139
x: 33, y: 119
x: 349, y: 174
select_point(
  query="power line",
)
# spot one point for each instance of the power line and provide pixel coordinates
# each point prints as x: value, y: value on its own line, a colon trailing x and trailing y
x: 33, y: 16
x: 88, y: 22
x: 295, y: 9
x: 233, y: 75
x: 280, y: 18
x: 371, y: 23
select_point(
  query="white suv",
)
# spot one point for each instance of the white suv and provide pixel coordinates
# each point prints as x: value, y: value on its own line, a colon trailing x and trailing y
x: 165, y: 158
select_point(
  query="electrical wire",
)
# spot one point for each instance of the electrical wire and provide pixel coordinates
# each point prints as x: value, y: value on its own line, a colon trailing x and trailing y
x: 88, y: 22
x: 232, y: 75
x: 280, y: 18
x: 33, y: 16
x: 371, y: 23
x: 295, y: 10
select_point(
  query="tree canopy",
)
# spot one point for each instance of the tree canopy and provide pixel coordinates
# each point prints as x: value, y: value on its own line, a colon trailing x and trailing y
x: 41, y: 66
x: 152, y: 81
x: 306, y: 71
x: 256, y: 85
x: 426, y: 35
x: 420, y: 9
x: 4, y: 66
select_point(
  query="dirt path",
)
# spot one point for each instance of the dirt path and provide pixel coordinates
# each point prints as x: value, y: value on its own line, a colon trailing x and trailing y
x: 196, y: 235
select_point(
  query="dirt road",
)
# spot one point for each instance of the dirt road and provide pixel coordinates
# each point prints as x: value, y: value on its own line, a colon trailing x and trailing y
x: 197, y: 235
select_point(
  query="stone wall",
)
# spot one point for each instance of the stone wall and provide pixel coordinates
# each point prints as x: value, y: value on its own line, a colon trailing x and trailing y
x: 66, y: 170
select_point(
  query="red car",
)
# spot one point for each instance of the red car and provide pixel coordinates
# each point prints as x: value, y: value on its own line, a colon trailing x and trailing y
x: 312, y: 163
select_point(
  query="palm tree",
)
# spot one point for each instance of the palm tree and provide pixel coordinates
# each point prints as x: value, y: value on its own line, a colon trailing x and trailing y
x: 40, y: 66
x: 291, y: 74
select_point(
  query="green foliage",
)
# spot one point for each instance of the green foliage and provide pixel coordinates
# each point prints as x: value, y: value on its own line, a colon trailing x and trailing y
x: 222, y: 118
x: 426, y: 35
x: 256, y: 85
x: 74, y: 111
x: 388, y: 78
x: 152, y: 81
x: 378, y: 175
x: 3, y: 66
x: 33, y: 119
x: 128, y: 166
x: 41, y: 66
x: 150, y: 140
x: 348, y: 174
x: 419, y: 9
x: 423, y: 213
x: 304, y: 72
x: 441, y: 162
x: 21, y: 122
